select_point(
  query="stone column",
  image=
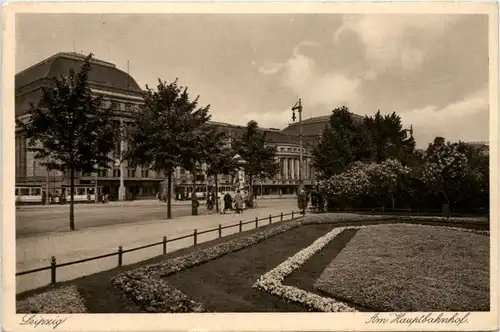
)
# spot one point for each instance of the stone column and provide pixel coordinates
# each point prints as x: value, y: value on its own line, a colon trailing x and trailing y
x: 285, y: 168
x: 292, y: 160
x: 306, y: 168
x: 297, y: 169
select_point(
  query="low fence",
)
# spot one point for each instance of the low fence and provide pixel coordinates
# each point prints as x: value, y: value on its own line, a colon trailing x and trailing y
x: 164, y: 243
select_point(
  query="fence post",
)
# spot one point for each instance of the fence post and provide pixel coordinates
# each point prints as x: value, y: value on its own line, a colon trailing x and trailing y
x: 270, y: 219
x: 292, y: 214
x: 195, y: 236
x: 53, y: 270
x: 164, y: 245
x: 281, y: 216
x: 256, y: 222
x: 220, y: 231
x: 120, y: 254
x: 241, y: 226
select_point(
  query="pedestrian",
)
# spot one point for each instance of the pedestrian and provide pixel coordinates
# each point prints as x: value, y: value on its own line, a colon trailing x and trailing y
x: 314, y: 200
x: 227, y: 202
x: 210, y: 201
x: 302, y: 201
x: 238, y: 202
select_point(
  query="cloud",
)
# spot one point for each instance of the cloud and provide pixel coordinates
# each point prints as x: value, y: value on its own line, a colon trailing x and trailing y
x: 318, y: 89
x: 386, y: 37
x: 271, y: 68
x: 466, y: 120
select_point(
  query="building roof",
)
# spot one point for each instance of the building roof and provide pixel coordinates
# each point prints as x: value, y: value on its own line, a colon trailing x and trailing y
x: 312, y: 127
x: 273, y: 135
x: 103, y: 75
x: 279, y: 137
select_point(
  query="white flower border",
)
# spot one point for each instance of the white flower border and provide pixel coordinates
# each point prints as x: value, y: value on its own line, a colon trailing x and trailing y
x: 63, y: 300
x: 271, y: 282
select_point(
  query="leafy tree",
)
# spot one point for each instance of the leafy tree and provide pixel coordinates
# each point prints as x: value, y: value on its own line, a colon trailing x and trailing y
x: 475, y: 188
x: 445, y: 169
x: 388, y: 137
x: 168, y: 132
x: 68, y: 130
x: 385, y: 178
x: 342, y: 142
x: 260, y: 158
x: 219, y: 160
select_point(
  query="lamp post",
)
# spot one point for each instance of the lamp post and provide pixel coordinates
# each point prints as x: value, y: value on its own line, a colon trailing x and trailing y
x: 95, y: 183
x: 47, y: 199
x: 298, y: 108
x: 121, y: 190
x: 410, y: 130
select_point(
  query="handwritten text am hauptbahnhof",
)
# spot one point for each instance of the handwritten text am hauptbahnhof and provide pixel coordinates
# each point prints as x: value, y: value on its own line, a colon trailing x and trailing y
x: 410, y: 319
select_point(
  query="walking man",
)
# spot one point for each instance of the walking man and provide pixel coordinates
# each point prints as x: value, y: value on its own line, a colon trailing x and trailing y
x: 227, y: 202
x: 238, y: 202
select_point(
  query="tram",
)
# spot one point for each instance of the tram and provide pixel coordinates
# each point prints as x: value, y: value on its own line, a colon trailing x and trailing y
x: 29, y: 194
x: 82, y: 193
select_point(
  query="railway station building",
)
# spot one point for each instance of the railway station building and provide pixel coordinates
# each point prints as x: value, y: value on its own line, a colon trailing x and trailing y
x: 121, y: 92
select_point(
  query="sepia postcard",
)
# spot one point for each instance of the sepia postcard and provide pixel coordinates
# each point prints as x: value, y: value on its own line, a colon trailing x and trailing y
x: 250, y: 166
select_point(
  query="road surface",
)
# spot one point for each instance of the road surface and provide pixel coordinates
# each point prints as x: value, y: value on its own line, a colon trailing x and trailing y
x: 36, y: 251
x: 35, y: 221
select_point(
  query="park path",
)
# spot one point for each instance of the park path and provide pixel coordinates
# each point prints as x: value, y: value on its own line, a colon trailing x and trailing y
x: 35, y: 252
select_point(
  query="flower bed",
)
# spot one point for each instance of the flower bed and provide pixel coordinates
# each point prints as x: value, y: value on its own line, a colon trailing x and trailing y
x: 271, y: 281
x: 403, y: 267
x: 151, y: 293
x: 337, y: 218
x: 65, y: 300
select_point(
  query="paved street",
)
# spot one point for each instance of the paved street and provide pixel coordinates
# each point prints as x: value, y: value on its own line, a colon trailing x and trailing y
x: 36, y: 220
x: 141, y: 229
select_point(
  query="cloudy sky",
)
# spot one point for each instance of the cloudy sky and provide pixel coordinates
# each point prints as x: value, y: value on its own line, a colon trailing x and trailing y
x: 431, y: 69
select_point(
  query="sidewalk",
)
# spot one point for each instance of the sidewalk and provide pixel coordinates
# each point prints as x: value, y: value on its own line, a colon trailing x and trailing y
x: 36, y: 252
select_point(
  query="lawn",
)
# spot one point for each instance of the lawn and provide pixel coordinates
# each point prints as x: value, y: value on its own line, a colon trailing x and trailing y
x: 411, y: 268
x: 225, y: 284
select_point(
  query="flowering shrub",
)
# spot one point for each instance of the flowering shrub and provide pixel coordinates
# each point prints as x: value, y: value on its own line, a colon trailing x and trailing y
x: 385, y: 177
x: 365, y: 178
x: 147, y: 289
x: 352, y: 183
x: 445, y: 168
x: 65, y: 300
x: 271, y: 282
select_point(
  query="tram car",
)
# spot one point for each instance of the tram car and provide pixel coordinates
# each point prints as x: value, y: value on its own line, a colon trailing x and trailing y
x: 82, y: 193
x: 29, y: 194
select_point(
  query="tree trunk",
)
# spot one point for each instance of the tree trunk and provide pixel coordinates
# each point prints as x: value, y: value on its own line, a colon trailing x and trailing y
x: 169, y: 195
x: 250, y: 190
x: 193, y: 194
x: 393, y: 200
x: 72, y: 200
x: 216, y: 194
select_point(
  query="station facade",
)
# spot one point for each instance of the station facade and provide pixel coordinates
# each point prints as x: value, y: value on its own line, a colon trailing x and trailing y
x: 121, y: 93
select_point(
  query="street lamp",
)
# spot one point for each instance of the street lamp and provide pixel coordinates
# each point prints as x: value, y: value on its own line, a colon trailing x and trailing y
x: 121, y: 190
x: 410, y: 130
x: 298, y: 108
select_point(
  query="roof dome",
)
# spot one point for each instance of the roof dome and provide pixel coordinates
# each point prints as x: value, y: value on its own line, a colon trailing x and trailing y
x: 103, y: 73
